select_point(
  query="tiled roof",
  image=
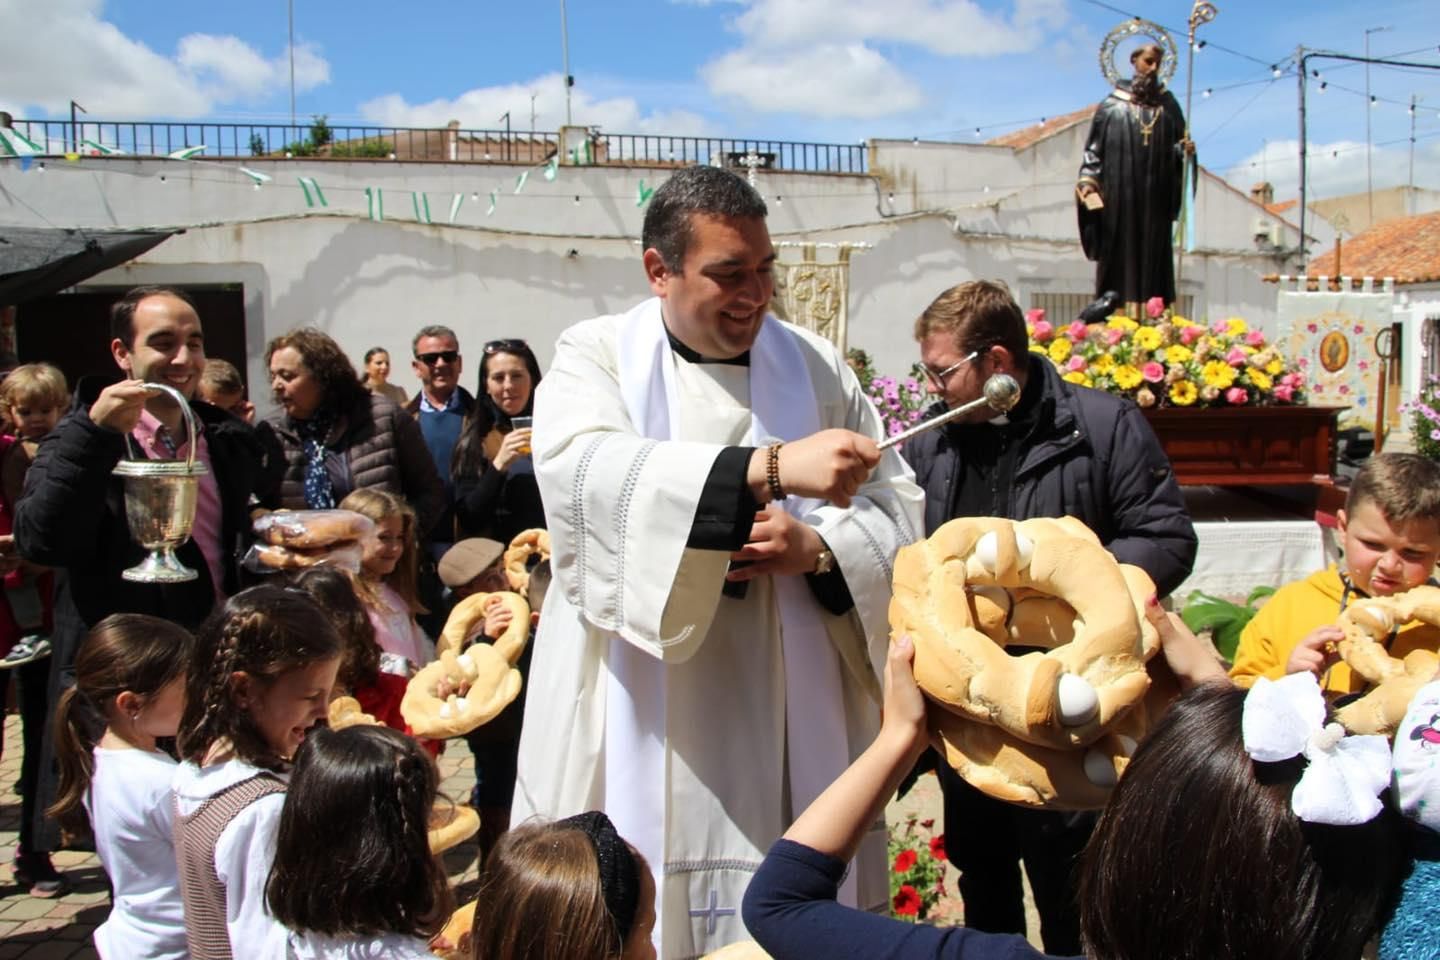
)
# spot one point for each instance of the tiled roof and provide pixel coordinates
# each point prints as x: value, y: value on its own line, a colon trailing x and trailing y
x: 1281, y: 207
x: 1407, y: 249
x: 1030, y: 136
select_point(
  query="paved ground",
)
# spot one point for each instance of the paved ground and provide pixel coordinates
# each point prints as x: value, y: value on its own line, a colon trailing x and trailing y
x: 60, y: 929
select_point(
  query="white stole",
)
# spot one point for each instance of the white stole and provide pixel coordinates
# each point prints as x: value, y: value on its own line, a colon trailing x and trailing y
x: 783, y: 406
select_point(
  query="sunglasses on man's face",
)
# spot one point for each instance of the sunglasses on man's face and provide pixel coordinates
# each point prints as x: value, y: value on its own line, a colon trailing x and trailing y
x: 430, y: 359
x: 505, y: 346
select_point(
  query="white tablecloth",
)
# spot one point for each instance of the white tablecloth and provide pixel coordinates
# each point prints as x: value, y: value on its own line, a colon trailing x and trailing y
x: 1236, y: 556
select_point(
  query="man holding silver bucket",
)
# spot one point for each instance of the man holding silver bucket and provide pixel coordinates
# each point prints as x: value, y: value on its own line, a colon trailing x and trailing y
x: 72, y: 513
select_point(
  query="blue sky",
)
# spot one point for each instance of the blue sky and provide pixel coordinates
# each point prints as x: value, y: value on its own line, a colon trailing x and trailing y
x: 825, y: 70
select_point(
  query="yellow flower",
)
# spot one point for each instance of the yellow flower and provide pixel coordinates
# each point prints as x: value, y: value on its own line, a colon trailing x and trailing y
x: 1180, y: 321
x: 1178, y: 353
x: 1121, y: 322
x: 1275, y: 367
x: 1059, y: 349
x: 1218, y: 374
x: 1038, y: 348
x: 1236, y: 327
x: 1260, y: 378
x: 1127, y: 377
x: 1077, y: 376
x: 1147, y: 338
x: 1183, y: 393
x: 1103, y: 364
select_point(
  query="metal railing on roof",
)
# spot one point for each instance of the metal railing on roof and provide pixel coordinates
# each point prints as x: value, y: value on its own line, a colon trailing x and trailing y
x: 447, y: 145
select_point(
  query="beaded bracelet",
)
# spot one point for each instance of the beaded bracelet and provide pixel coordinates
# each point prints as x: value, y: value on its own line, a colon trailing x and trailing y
x: 772, y: 471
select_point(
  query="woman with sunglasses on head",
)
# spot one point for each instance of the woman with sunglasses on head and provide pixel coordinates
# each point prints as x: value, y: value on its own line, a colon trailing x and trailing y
x: 496, y: 495
x: 337, y: 437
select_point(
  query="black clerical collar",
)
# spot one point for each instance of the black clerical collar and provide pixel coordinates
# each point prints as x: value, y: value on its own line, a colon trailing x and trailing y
x: 693, y: 357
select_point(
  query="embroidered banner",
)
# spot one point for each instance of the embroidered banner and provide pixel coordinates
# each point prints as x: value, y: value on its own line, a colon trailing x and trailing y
x: 815, y: 295
x: 1331, y: 336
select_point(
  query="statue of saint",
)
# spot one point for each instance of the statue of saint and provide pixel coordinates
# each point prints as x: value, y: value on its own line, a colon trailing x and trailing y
x: 1129, y: 186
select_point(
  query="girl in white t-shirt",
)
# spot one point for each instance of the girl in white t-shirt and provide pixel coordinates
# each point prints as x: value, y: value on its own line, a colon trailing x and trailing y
x: 130, y: 674
x: 388, y: 581
x: 261, y: 677
x: 353, y: 876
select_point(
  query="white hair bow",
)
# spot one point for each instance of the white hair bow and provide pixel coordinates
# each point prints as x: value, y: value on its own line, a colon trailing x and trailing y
x: 1343, y: 776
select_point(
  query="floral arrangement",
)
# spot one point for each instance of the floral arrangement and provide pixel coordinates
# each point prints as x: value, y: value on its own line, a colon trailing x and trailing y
x: 917, y: 868
x: 1170, y: 362
x: 1424, y: 412
x: 901, y: 403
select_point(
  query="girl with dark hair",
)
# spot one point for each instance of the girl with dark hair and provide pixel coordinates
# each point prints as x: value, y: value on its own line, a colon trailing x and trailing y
x: 261, y: 677
x: 376, y: 377
x: 1212, y: 845
x: 334, y: 436
x: 572, y: 889
x: 496, y: 495
x: 353, y: 875
x: 130, y: 673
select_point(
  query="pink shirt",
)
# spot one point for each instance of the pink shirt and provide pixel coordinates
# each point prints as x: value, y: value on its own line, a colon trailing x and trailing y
x: 207, y: 529
x: 397, y: 632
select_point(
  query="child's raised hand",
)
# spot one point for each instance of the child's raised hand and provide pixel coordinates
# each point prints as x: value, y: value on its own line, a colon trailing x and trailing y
x: 1192, y: 660
x: 1315, y: 651
x: 497, y: 618
x: 903, y: 712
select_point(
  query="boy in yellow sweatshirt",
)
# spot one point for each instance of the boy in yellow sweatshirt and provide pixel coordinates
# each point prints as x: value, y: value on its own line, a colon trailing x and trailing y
x: 1390, y: 529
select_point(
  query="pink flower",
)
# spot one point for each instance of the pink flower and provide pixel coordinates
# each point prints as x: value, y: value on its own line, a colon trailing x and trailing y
x: 1359, y: 328
x: 896, y: 427
x: 1364, y: 365
x: 1236, y: 395
x: 1344, y: 388
x: 1077, y: 331
x: 1042, y: 329
x: 1312, y: 328
x: 1236, y: 357
x: 913, y: 416
x: 1254, y: 338
x: 1189, y: 335
x: 1284, y: 393
x: 1219, y: 327
x: 1154, y: 307
x: 1075, y: 364
x: 1035, y: 315
x: 1303, y: 362
x: 1114, y: 335
x: 1152, y: 371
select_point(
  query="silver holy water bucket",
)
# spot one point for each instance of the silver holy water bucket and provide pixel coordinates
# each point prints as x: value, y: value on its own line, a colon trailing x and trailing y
x: 160, y: 499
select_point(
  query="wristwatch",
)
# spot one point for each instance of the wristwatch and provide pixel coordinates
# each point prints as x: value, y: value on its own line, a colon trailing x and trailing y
x: 824, y: 562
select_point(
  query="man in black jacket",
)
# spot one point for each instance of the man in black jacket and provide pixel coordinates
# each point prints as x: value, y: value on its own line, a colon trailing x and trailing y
x: 1064, y: 450
x: 72, y: 513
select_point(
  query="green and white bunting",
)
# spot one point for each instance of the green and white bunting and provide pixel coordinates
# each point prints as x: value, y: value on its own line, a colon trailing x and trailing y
x: 314, y: 196
x: 375, y: 200
x: 643, y: 194
x: 455, y: 203
x: 101, y: 148
x: 13, y: 143
x: 256, y: 176
x: 185, y: 153
x: 520, y: 181
x: 421, y: 203
x: 552, y: 168
x: 494, y: 197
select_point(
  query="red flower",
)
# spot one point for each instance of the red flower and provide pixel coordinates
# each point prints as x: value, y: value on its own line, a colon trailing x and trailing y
x: 904, y: 860
x: 937, y: 847
x: 906, y: 902
x: 928, y: 822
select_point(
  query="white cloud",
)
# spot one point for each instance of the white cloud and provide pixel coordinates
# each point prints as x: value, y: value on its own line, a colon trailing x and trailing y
x: 71, y: 51
x: 483, y: 108
x: 799, y: 56
x: 830, y: 80
x: 1334, y: 169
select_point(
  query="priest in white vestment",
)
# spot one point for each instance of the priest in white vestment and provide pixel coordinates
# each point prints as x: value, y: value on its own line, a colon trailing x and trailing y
x: 703, y: 705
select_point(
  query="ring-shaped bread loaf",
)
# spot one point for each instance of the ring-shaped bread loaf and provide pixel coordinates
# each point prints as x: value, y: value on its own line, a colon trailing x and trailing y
x: 1067, y: 696
x: 467, y: 620
x: 347, y: 712
x: 486, y: 684
x: 451, y: 825
x: 527, y: 543
x: 1368, y: 624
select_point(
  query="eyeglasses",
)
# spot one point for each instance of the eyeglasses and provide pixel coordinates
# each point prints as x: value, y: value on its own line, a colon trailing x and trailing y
x: 506, y: 346
x: 430, y: 359
x: 938, y: 379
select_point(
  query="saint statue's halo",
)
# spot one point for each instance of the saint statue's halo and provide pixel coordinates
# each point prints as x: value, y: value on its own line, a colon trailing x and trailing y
x: 1137, y: 28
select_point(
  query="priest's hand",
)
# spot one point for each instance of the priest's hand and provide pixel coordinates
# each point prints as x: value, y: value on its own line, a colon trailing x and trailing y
x: 779, y: 545
x: 829, y: 465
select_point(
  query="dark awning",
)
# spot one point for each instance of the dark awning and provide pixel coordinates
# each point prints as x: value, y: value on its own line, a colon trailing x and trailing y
x: 37, y: 261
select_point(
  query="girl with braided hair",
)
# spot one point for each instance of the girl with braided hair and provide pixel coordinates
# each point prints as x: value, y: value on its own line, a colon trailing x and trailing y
x: 353, y: 875
x: 261, y: 677
x: 130, y: 686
